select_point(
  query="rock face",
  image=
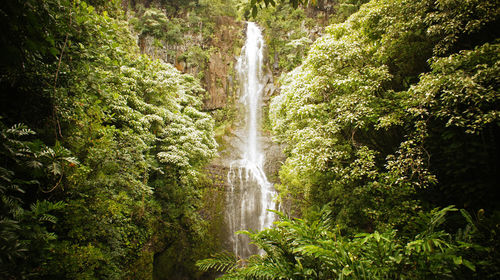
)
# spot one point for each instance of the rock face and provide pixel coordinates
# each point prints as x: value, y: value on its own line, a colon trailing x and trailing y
x: 249, y: 193
x: 269, y: 88
x: 274, y: 158
x: 232, y: 143
x: 217, y: 71
x: 219, y: 79
x: 225, y: 172
x: 233, y: 139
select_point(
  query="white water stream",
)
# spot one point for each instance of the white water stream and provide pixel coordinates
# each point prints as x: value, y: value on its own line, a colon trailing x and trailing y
x: 250, y: 194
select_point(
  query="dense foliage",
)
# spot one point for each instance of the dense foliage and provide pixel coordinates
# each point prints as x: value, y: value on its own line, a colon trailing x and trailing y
x: 358, y: 118
x: 289, y: 32
x: 183, y: 32
x: 390, y: 115
x: 394, y: 112
x: 111, y: 175
x: 314, y: 249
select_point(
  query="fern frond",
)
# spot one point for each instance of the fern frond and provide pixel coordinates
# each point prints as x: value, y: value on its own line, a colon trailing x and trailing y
x: 16, y: 188
x: 280, y: 215
x: 223, y: 262
x: 261, y: 271
x: 48, y: 218
x: 231, y: 276
x: 34, y: 164
x: 438, y: 218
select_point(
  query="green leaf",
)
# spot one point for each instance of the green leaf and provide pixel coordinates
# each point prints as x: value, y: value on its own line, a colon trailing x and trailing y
x: 346, y: 271
x: 254, y: 11
x: 469, y: 265
x: 54, y: 51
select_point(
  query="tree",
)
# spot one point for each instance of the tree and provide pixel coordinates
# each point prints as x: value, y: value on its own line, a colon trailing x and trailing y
x: 125, y: 140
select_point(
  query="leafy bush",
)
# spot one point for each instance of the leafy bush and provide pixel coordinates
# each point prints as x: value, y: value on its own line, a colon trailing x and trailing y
x: 315, y: 249
x: 129, y: 139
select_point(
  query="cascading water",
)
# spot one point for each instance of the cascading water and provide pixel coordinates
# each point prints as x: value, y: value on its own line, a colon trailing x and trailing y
x: 250, y: 194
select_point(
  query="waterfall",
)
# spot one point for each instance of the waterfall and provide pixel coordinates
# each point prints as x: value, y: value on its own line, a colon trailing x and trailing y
x: 250, y: 194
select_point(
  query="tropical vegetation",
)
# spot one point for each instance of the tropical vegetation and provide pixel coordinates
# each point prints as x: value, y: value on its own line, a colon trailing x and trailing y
x: 392, y: 113
x: 389, y: 111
